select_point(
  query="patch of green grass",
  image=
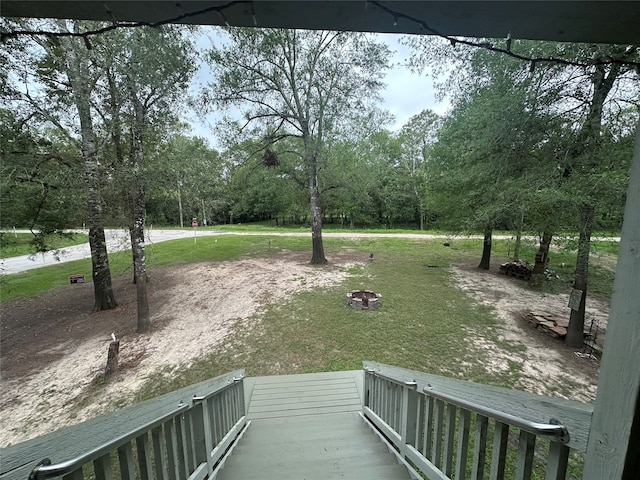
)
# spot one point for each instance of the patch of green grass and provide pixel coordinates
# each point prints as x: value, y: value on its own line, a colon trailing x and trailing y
x: 224, y: 247
x: 13, y: 245
x: 600, y: 246
x: 423, y: 324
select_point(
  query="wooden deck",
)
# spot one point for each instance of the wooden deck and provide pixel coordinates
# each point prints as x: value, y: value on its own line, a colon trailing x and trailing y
x: 309, y: 426
x: 315, y: 426
x: 305, y: 394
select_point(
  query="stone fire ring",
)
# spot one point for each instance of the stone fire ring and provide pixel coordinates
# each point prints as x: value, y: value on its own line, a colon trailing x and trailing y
x: 364, y: 300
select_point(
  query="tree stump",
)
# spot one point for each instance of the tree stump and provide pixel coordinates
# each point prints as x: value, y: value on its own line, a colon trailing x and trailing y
x: 112, y: 359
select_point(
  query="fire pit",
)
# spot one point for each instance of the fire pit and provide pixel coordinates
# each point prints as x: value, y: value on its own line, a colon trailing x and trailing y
x: 364, y: 300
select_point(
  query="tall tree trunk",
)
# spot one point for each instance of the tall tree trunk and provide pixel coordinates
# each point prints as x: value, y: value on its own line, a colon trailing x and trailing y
x: 136, y: 232
x: 486, y: 249
x: 77, y: 70
x: 542, y: 258
x: 518, y: 245
x: 589, y: 147
x: 575, y: 335
x: 138, y: 211
x: 103, y: 298
x: 317, y: 257
x: 180, y: 204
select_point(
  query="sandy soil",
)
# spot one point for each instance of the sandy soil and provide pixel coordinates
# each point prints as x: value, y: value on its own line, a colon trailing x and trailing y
x: 548, y: 366
x: 48, y: 367
x: 53, y: 349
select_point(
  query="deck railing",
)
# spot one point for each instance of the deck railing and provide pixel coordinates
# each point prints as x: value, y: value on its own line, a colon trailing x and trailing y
x: 450, y: 429
x: 186, y: 443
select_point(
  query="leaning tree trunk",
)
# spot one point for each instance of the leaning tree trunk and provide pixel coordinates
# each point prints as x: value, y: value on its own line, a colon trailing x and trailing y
x: 317, y: 257
x: 542, y: 259
x: 575, y: 332
x: 486, y: 249
x: 77, y: 70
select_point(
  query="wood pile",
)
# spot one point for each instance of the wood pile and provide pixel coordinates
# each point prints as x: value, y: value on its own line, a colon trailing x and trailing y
x: 548, y: 323
x: 518, y: 269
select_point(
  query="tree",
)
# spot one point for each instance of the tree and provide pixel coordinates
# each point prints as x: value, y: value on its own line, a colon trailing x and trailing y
x: 73, y: 58
x: 51, y: 82
x: 40, y: 178
x: 416, y: 136
x: 301, y: 84
x: 576, y: 91
x: 586, y: 155
x: 153, y: 67
x: 482, y: 162
x: 185, y: 175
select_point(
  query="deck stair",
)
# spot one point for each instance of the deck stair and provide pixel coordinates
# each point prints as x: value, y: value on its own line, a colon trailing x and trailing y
x: 309, y: 426
x: 382, y: 422
x: 322, y: 447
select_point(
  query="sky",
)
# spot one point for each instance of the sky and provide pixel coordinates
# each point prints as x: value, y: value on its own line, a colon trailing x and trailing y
x: 406, y: 93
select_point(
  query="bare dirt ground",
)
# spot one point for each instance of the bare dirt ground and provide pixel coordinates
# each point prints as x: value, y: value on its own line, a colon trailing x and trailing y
x: 548, y: 366
x: 53, y: 348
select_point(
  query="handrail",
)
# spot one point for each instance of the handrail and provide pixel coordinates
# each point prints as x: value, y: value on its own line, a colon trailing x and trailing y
x: 68, y: 466
x: 552, y: 429
x: 201, y: 398
x: 404, y: 383
x: 201, y: 439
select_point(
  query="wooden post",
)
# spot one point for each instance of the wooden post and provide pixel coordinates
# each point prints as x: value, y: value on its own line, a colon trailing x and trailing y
x: 112, y: 359
x: 614, y: 438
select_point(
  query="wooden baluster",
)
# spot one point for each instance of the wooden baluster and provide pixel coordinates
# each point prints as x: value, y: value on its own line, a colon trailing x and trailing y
x: 102, y: 468
x: 202, y: 444
x: 557, y: 461
x: 144, y: 457
x: 75, y: 475
x: 397, y: 401
x: 125, y: 459
x: 438, y: 427
x: 160, y: 460
x: 464, y: 427
x: 449, y: 438
x: 173, y: 450
x: 181, y: 457
x: 420, y: 414
x: 480, y: 447
x: 526, y: 448
x: 190, y: 455
x: 500, y: 438
x: 409, y: 419
x: 427, y: 427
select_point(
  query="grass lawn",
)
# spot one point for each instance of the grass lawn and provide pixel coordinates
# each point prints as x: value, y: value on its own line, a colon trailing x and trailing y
x: 13, y: 245
x: 423, y: 325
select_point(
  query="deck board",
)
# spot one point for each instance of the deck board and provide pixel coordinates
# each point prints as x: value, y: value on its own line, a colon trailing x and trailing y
x: 309, y: 426
x: 303, y: 394
x: 314, y: 447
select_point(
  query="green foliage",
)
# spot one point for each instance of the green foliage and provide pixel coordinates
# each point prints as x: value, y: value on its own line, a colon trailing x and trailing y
x: 185, y: 172
x: 40, y: 177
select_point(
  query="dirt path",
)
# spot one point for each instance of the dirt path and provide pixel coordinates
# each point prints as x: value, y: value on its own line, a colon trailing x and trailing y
x: 53, y: 348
